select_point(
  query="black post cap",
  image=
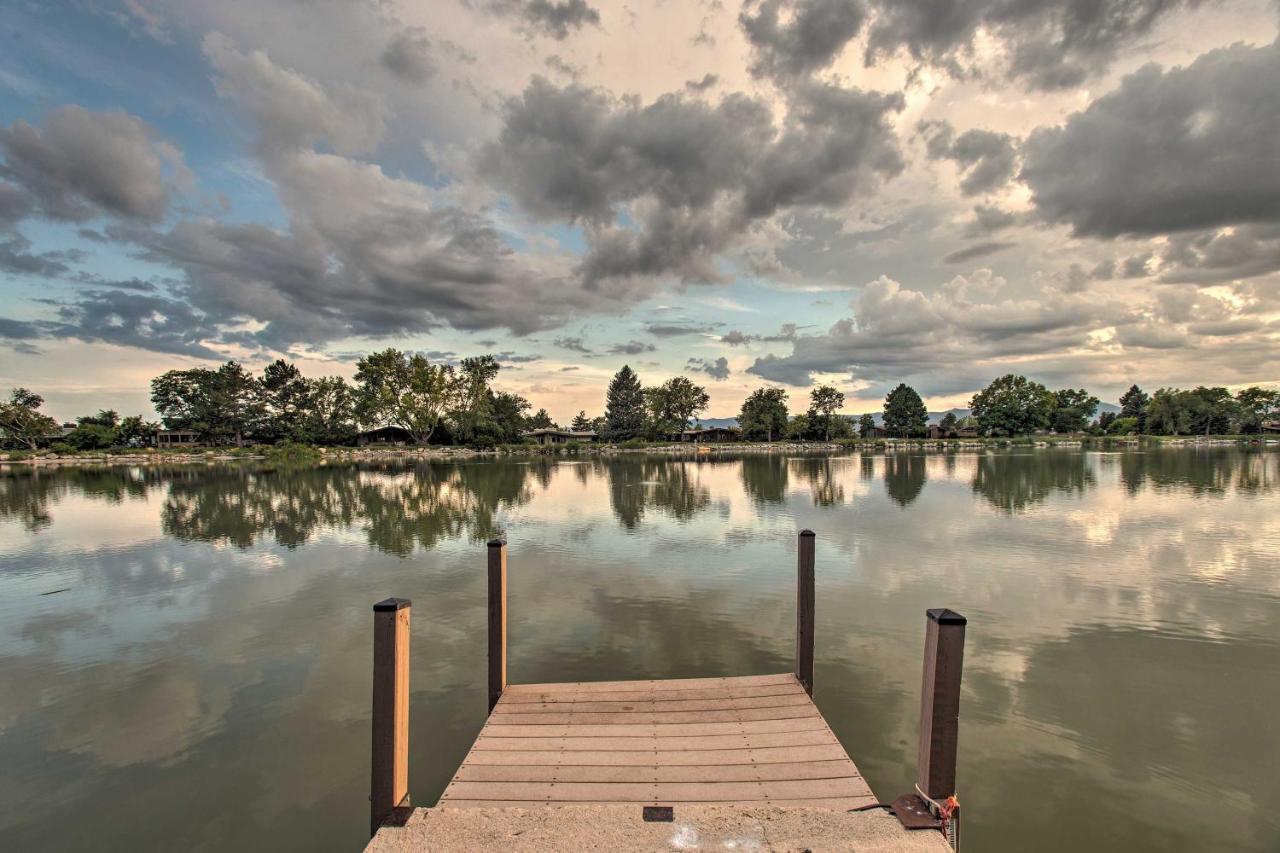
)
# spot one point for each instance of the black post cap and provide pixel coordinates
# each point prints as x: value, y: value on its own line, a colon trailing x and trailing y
x: 497, y: 543
x: 388, y: 605
x: 946, y: 616
x: 807, y: 532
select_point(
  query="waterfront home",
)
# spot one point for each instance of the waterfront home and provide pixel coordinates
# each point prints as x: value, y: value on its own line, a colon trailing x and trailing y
x: 392, y: 435
x: 547, y: 436
x: 177, y: 438
x: 711, y: 434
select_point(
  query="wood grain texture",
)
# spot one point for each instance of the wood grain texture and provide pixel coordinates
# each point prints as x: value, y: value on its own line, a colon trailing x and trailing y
x: 805, y: 603
x: 752, y: 740
x: 497, y: 569
x: 389, y: 765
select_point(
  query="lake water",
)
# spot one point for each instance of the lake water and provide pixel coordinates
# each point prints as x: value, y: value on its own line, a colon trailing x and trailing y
x: 185, y: 652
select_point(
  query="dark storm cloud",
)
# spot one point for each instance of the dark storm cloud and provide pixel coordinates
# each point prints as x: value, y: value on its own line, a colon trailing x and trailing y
x: 717, y: 369
x: 631, y: 348
x: 1221, y: 256
x: 1185, y: 149
x: 19, y: 330
x: 987, y: 160
x: 408, y: 56
x: 978, y: 250
x: 80, y: 164
x: 554, y: 18
x: 679, y: 329
x: 128, y: 319
x: 16, y: 258
x: 1050, y: 44
x: 796, y: 37
x: 692, y: 176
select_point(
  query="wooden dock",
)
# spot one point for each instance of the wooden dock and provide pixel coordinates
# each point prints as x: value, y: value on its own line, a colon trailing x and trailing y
x: 719, y: 748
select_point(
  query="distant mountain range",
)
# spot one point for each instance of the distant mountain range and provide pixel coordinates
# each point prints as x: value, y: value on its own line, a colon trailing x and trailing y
x: 934, y: 417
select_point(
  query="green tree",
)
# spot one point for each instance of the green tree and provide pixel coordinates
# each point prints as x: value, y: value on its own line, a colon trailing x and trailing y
x: 222, y: 405
x: 95, y: 432
x: 904, y: 412
x: 949, y: 422
x: 866, y: 426
x: 764, y: 414
x: 328, y: 415
x: 1105, y: 420
x: 540, y: 420
x: 1256, y: 406
x: 824, y: 402
x: 508, y: 416
x: 581, y: 423
x: 800, y: 428
x: 471, y: 412
x: 673, y: 404
x: 1072, y: 410
x: 408, y: 391
x: 21, y: 422
x: 1167, y: 413
x: 1012, y: 405
x: 284, y: 398
x: 624, y: 412
x: 135, y: 431
x: 1133, y: 404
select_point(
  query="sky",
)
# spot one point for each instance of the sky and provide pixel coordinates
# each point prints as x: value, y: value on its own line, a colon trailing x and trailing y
x: 773, y: 192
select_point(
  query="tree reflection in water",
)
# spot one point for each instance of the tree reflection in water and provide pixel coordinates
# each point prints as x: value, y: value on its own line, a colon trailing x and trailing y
x: 764, y: 478
x: 668, y: 485
x: 904, y: 477
x: 820, y: 474
x: 1013, y: 482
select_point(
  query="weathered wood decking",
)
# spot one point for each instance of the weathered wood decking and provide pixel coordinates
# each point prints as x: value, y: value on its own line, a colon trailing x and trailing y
x: 754, y: 740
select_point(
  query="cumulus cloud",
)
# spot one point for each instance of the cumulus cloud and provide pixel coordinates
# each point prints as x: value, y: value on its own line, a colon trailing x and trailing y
x: 796, y: 37
x: 1185, y: 149
x: 717, y: 369
x: 897, y: 332
x: 130, y: 319
x: 554, y: 18
x: 692, y: 177
x: 79, y: 165
x: 1049, y: 44
x: 1222, y: 255
x: 632, y: 348
x: 408, y: 56
x: 987, y: 160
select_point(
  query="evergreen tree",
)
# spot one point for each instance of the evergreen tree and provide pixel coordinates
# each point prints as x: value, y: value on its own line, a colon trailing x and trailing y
x: 624, y: 406
x: 866, y: 426
x: 904, y: 412
x: 1133, y: 404
x: 948, y: 422
x: 581, y: 423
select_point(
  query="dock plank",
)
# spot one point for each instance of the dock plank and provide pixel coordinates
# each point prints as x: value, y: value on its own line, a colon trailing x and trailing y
x: 751, y: 740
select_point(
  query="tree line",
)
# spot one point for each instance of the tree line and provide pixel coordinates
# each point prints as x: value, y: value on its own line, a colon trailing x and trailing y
x: 457, y: 404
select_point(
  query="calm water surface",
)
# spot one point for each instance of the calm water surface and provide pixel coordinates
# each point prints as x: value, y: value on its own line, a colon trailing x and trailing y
x: 200, y: 678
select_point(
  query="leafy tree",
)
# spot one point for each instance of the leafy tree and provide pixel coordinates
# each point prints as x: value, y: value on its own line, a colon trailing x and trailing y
x: 1012, y: 405
x: 1167, y: 413
x: 673, y: 404
x: 949, y: 422
x: 1256, y: 405
x: 1072, y: 410
x: 1122, y: 426
x: 800, y: 427
x: 471, y: 412
x: 764, y: 414
x: 541, y: 420
x: 1133, y: 404
x: 21, y: 422
x: 1106, y: 419
x: 581, y: 423
x: 222, y: 405
x: 95, y: 432
x: 408, y: 391
x: 904, y: 412
x: 284, y: 398
x: 328, y: 415
x: 624, y: 412
x: 866, y: 426
x: 508, y: 416
x: 824, y: 402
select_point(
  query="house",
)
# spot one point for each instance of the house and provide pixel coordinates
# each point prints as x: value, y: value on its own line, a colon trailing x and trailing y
x: 966, y: 432
x: 703, y: 435
x: 936, y: 432
x: 1271, y: 426
x: 385, y: 435
x: 177, y: 438
x: 875, y: 432
x: 549, y: 436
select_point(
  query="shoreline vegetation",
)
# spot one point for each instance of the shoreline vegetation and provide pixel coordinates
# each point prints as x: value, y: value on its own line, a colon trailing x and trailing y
x: 404, y: 404
x: 315, y: 455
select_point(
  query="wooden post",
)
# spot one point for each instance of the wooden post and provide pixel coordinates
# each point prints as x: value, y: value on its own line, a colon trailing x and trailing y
x: 804, y: 609
x: 389, y: 786
x: 940, y: 703
x: 497, y: 620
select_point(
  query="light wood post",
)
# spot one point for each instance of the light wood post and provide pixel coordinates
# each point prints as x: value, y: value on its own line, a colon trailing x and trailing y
x: 389, y: 786
x: 940, y: 703
x: 804, y: 609
x: 497, y: 620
